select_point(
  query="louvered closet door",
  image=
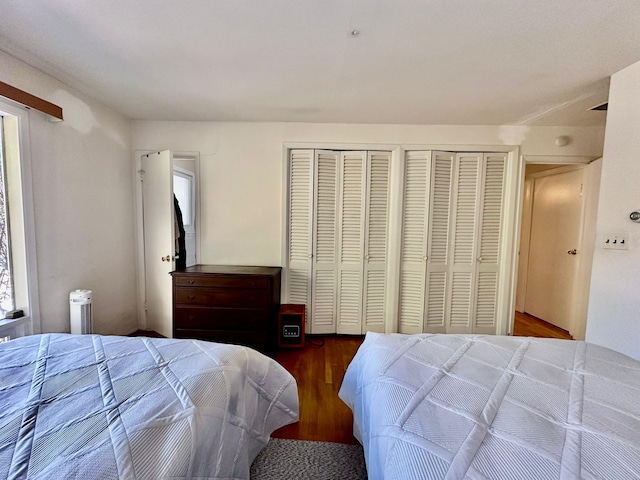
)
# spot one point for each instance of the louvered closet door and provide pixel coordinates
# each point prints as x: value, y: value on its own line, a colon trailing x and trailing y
x: 376, y: 235
x: 417, y: 174
x: 438, y: 243
x: 489, y: 232
x: 300, y: 228
x: 351, y: 241
x: 325, y: 257
x: 460, y: 291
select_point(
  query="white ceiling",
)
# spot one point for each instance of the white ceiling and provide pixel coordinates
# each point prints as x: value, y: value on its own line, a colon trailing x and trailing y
x: 489, y: 62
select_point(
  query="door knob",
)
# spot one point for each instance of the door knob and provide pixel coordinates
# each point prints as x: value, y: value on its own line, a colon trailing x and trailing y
x: 572, y: 252
x: 166, y: 259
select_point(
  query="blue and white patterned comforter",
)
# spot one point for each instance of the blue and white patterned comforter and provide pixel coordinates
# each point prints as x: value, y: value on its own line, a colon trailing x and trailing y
x: 107, y: 407
x: 492, y: 407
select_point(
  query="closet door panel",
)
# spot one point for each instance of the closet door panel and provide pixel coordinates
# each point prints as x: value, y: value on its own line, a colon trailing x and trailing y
x: 417, y: 174
x: 300, y: 228
x: 438, y: 242
x: 325, y: 264
x: 468, y: 168
x: 376, y: 235
x: 489, y: 243
x: 324, y: 302
x: 461, y: 297
x: 351, y: 241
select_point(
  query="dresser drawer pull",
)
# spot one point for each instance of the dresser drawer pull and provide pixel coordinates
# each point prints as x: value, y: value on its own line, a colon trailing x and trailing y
x: 191, y: 282
x: 191, y: 297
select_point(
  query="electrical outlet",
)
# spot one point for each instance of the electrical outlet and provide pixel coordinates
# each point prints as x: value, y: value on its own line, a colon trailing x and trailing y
x: 616, y: 241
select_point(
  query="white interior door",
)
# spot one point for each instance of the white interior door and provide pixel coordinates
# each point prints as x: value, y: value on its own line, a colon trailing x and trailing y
x: 555, y: 235
x: 159, y: 241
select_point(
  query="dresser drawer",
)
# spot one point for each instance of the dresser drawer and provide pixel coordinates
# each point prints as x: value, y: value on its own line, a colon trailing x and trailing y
x: 237, y: 281
x: 227, y: 303
x: 221, y: 297
x: 221, y: 318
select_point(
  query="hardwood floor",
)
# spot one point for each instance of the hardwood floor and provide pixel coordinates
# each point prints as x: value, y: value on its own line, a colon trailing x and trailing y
x: 319, y: 371
x: 527, y: 325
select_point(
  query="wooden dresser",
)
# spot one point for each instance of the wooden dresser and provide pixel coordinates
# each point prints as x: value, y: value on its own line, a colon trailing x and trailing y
x: 229, y: 304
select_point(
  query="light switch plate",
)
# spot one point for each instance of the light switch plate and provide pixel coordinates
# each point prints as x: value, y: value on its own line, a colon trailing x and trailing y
x: 615, y: 241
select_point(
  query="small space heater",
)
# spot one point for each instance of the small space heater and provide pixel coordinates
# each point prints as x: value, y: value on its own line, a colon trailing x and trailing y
x: 81, y: 314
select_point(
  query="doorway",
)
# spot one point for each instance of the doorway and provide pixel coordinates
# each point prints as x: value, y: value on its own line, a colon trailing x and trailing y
x: 161, y: 174
x: 556, y: 248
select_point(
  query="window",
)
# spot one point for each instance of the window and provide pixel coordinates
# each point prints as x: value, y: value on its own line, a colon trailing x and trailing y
x: 18, y: 271
x: 183, y: 190
x: 7, y: 301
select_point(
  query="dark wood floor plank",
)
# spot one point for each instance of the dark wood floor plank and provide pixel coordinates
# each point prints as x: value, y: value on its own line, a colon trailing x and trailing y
x: 319, y: 371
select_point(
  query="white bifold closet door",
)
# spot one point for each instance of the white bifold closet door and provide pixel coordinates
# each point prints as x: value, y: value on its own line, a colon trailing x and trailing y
x: 451, y: 238
x: 338, y: 235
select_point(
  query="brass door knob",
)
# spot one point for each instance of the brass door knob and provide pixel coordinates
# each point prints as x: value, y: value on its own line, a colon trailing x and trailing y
x: 166, y: 259
x: 572, y: 252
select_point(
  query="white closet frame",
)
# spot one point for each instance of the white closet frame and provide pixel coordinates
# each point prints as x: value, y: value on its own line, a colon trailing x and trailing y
x: 510, y: 233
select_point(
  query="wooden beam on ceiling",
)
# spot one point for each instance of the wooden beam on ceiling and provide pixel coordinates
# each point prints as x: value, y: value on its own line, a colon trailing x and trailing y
x: 31, y: 101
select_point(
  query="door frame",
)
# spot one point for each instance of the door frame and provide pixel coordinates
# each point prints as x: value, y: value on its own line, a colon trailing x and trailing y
x: 586, y: 243
x: 139, y: 226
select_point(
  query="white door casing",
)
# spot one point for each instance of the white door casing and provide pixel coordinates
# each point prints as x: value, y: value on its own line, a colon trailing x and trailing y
x: 159, y: 241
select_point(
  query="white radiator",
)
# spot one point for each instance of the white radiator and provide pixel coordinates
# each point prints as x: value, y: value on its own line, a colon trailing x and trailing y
x: 80, y: 311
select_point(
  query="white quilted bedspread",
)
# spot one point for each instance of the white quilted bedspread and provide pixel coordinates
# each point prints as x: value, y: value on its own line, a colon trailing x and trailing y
x: 106, y: 407
x: 492, y: 407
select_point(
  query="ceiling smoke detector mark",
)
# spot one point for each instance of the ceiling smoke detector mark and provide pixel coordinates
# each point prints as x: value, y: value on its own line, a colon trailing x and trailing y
x: 601, y: 107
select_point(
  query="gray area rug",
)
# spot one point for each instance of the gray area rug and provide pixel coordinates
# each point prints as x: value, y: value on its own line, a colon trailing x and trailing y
x: 305, y: 460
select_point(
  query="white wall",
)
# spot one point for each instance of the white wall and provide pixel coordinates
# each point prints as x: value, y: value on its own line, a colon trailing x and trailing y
x: 614, y: 306
x: 241, y: 167
x: 83, y: 202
